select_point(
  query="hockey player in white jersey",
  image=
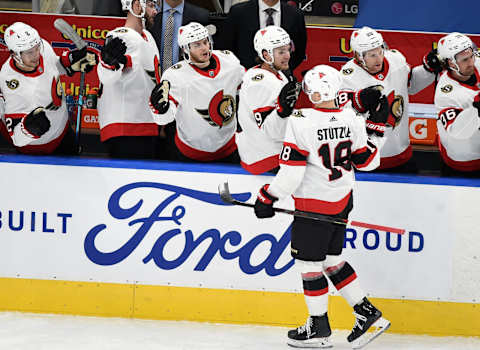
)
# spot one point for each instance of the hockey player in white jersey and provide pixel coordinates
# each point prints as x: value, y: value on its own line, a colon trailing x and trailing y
x: 199, y: 93
x: 457, y: 99
x: 128, y: 71
x: 35, y: 114
x: 267, y: 98
x: 374, y: 64
x: 322, y: 147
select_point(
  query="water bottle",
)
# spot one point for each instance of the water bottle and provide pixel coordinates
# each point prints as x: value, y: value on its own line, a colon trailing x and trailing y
x: 91, y: 99
x: 70, y: 101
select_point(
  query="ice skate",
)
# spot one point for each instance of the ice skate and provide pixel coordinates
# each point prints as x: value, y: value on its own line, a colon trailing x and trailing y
x: 367, y: 317
x: 314, y: 334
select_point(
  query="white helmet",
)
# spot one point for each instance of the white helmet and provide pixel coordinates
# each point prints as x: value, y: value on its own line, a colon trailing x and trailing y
x: 270, y: 38
x: 365, y: 39
x: 127, y: 6
x: 451, y: 45
x: 191, y: 33
x: 21, y: 37
x: 324, y: 80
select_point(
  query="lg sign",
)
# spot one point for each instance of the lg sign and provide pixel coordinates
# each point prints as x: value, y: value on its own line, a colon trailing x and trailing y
x: 337, y: 8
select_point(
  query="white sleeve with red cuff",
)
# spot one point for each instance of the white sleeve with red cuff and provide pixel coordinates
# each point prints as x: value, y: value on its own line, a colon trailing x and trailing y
x: 420, y: 78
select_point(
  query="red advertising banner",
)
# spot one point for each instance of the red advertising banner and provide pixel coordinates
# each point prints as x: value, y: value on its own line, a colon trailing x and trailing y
x: 325, y: 46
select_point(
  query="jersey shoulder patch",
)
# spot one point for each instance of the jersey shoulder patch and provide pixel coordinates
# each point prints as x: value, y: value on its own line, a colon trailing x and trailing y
x: 258, y: 77
x: 121, y: 30
x: 446, y: 88
x: 347, y: 71
x: 297, y: 114
x: 12, y: 84
x: 176, y: 66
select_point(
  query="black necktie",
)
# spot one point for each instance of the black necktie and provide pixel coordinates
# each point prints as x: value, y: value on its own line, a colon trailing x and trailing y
x: 270, y: 13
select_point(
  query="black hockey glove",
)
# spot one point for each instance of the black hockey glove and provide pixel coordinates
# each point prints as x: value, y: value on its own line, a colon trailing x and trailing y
x: 376, y: 122
x: 36, y: 123
x: 432, y: 63
x: 367, y: 99
x: 113, y: 52
x: 476, y: 103
x: 288, y: 97
x: 159, y: 101
x: 264, y: 204
x: 83, y: 60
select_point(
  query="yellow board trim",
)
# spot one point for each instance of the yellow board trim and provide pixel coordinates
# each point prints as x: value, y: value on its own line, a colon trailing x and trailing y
x: 225, y: 306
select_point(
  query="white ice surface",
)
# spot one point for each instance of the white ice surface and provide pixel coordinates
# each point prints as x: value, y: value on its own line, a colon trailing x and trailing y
x: 22, y: 331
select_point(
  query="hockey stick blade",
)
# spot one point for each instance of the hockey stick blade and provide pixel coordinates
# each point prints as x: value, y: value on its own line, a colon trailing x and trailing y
x: 66, y: 29
x: 225, y: 195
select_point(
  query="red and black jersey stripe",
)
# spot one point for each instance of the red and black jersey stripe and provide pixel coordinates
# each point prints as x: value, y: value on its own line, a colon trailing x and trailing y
x: 341, y: 274
x: 363, y: 156
x: 292, y: 155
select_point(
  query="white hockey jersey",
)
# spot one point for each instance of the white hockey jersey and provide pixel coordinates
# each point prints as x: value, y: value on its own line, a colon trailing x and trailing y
x: 23, y: 92
x: 203, y: 104
x: 458, y: 122
x: 321, y: 149
x: 124, y: 96
x: 262, y: 130
x: 398, y: 81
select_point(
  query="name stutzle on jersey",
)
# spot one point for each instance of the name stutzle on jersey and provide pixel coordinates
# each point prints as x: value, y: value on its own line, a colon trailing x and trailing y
x: 123, y: 108
x: 458, y: 121
x: 23, y: 92
x: 261, y: 139
x: 203, y: 104
x: 398, y: 80
x: 320, y: 150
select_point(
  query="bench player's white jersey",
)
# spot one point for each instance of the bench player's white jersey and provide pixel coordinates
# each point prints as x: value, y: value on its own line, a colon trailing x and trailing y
x: 458, y: 122
x: 23, y: 92
x: 322, y: 148
x: 398, y: 81
x: 262, y: 130
x: 203, y: 104
x: 123, y: 108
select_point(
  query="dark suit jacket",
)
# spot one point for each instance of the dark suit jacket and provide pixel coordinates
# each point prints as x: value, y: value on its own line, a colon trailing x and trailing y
x: 108, y: 8
x: 243, y: 22
x: 191, y: 13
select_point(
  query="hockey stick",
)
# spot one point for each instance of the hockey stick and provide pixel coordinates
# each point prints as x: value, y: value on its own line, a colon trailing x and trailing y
x: 225, y: 195
x: 62, y: 26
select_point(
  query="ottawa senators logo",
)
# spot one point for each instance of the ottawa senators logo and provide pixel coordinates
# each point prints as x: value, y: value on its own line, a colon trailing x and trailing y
x: 397, y: 106
x: 347, y: 71
x: 221, y: 110
x: 13, y: 84
x: 257, y: 77
x: 297, y: 114
x: 447, y: 88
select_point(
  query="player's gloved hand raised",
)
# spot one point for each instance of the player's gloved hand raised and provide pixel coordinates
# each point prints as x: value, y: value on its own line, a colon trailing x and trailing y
x: 35, y: 123
x: 377, y: 120
x: 113, y: 52
x: 264, y: 204
x: 83, y: 60
x: 367, y: 99
x: 288, y: 97
x: 432, y: 63
x: 159, y: 101
x: 476, y: 103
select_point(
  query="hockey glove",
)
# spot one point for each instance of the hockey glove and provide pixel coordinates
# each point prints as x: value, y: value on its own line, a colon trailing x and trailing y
x: 476, y: 103
x: 377, y: 120
x: 367, y: 99
x: 432, y: 63
x: 36, y: 123
x: 264, y: 204
x: 159, y: 101
x: 113, y: 52
x: 288, y: 97
x: 83, y: 60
